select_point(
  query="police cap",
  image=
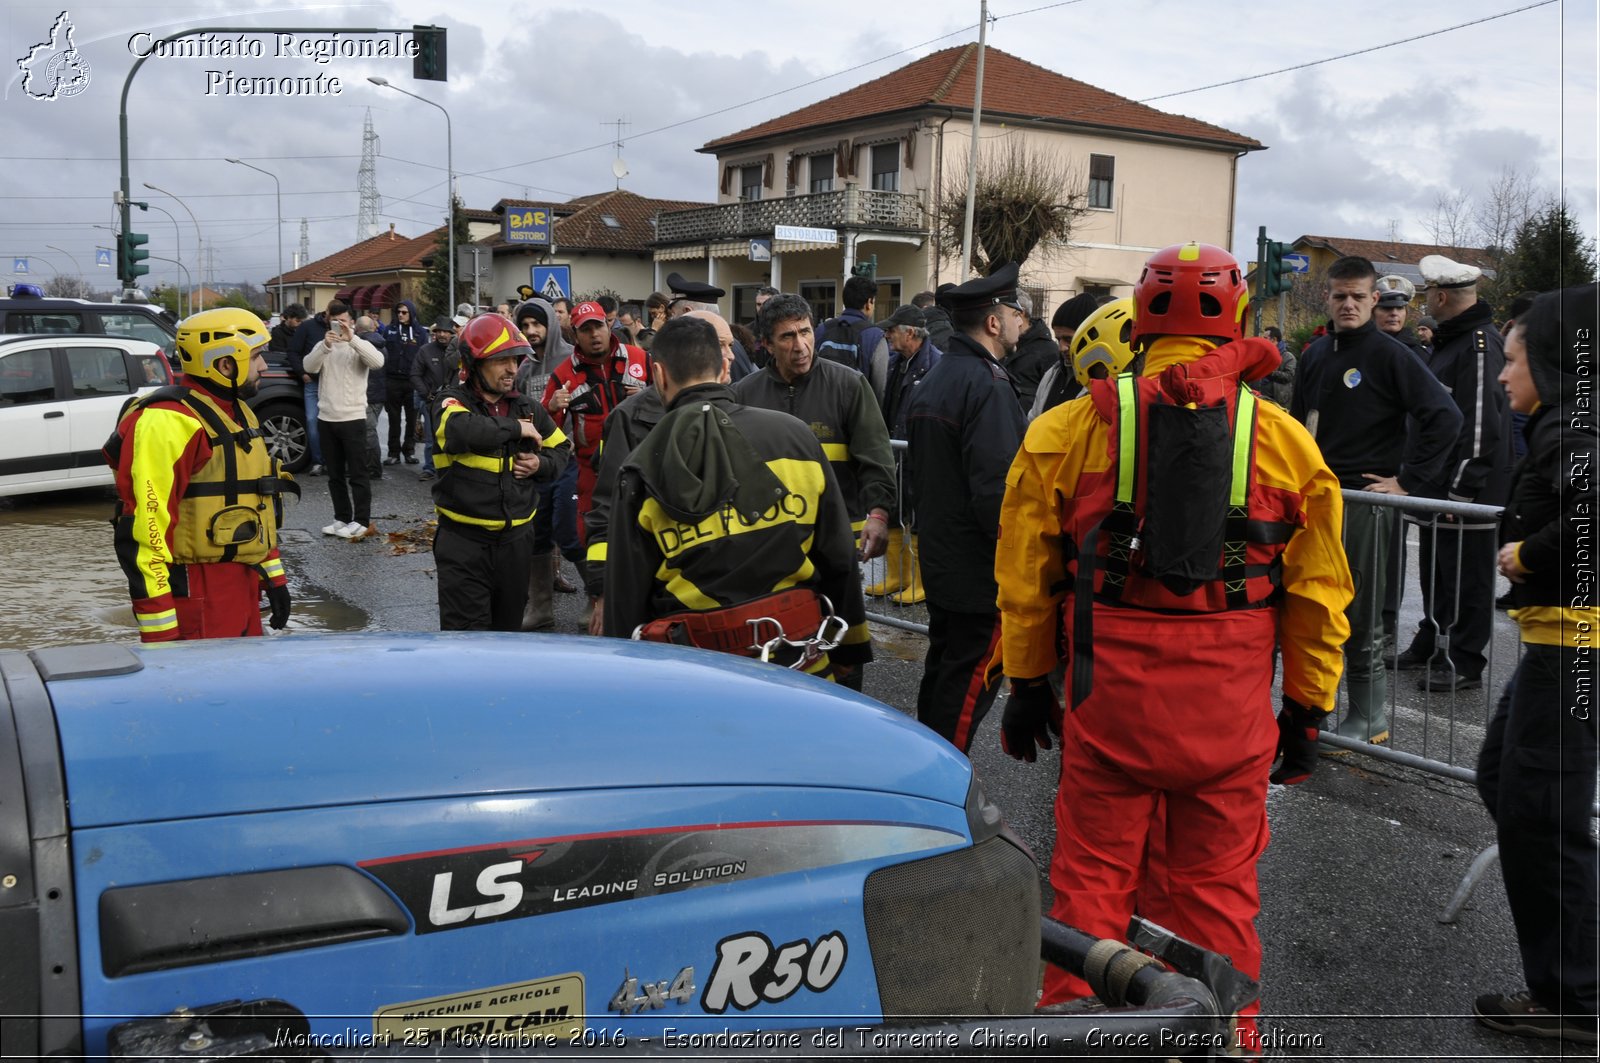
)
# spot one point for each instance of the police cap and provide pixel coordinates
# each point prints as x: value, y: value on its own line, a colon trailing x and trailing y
x: 694, y: 291
x: 997, y: 289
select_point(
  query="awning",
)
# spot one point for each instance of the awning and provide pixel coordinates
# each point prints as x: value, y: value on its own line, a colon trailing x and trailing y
x: 389, y: 297
x: 345, y: 295
x: 364, y: 297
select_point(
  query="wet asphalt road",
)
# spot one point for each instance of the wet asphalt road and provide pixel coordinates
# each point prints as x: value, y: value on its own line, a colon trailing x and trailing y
x: 1362, y: 858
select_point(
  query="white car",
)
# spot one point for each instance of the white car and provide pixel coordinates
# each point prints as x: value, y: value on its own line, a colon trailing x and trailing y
x: 59, y: 400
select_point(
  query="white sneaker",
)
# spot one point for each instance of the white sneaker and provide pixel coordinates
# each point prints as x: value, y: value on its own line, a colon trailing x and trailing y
x: 353, y: 531
x: 336, y: 528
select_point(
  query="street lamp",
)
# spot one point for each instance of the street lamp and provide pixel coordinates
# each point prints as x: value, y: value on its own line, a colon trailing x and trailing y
x: 184, y: 305
x: 64, y: 251
x: 199, y: 240
x: 449, y: 184
x: 279, y: 190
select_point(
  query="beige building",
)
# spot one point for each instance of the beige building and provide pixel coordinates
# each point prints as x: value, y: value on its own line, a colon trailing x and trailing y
x: 805, y: 197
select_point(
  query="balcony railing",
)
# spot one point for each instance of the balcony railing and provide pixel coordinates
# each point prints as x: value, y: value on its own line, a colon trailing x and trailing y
x: 849, y: 208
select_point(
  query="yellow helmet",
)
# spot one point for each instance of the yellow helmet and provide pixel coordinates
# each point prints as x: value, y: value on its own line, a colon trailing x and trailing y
x: 211, y: 335
x: 1103, y: 339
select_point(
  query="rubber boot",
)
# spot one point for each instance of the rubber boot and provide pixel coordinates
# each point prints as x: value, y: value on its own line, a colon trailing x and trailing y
x: 1365, y: 725
x: 540, y: 613
x: 914, y: 592
x: 895, y: 560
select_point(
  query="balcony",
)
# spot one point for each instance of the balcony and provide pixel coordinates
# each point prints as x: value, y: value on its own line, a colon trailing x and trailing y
x: 850, y: 208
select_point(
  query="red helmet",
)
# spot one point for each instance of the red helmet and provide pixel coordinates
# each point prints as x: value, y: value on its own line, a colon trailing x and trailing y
x: 1190, y: 290
x: 494, y: 336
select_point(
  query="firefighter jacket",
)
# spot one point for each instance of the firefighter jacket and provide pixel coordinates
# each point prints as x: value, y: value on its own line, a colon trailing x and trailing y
x: 1468, y: 354
x: 1354, y: 390
x: 962, y: 430
x: 597, y: 388
x: 475, y: 445
x: 724, y: 503
x: 1281, y: 521
x: 839, y: 406
x: 1555, y: 496
x: 195, y: 486
x: 626, y: 428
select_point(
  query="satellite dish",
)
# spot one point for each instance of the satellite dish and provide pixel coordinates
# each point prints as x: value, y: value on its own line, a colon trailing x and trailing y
x: 619, y: 169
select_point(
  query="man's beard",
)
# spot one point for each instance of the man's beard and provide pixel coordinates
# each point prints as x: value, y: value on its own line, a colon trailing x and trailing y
x: 248, y: 389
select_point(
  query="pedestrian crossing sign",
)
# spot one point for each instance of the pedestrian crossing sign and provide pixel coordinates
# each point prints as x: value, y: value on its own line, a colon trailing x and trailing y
x: 553, y: 282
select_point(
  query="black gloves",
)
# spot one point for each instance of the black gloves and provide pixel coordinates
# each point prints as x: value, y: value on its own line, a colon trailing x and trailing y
x: 1031, y: 716
x: 278, y: 598
x: 1297, y: 742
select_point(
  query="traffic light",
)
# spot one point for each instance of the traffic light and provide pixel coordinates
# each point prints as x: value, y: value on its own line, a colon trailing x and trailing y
x: 429, y: 63
x: 130, y: 256
x: 1277, y: 276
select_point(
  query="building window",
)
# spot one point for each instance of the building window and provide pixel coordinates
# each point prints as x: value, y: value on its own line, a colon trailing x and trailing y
x: 1101, y: 169
x: 821, y: 173
x: 886, y: 167
x: 750, y: 182
x: 821, y: 296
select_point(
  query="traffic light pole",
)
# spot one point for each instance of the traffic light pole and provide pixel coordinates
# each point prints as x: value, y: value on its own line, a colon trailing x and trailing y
x: 1261, y: 274
x: 123, y: 204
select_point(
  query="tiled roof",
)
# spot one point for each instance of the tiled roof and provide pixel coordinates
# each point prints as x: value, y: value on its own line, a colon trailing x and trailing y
x: 1392, y: 251
x: 328, y: 270
x: 404, y: 254
x: 581, y: 225
x: 1012, y: 87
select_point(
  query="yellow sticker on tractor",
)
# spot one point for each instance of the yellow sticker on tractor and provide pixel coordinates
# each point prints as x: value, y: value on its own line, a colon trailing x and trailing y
x: 545, y: 1011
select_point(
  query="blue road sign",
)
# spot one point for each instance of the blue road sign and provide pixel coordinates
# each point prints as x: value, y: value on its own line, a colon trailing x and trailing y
x: 1301, y: 263
x: 553, y: 282
x: 102, y: 257
x: 19, y: 265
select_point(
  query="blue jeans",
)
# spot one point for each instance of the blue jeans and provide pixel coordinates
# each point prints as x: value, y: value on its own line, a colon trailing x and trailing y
x: 312, y: 437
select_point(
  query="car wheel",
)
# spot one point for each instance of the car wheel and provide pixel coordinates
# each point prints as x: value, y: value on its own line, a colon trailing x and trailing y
x: 284, y: 426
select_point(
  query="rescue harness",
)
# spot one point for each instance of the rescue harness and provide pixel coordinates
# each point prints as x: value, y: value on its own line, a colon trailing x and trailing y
x: 761, y: 628
x: 1178, y: 533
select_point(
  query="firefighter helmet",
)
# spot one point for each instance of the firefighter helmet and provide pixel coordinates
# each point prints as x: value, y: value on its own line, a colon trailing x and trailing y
x: 494, y: 336
x: 1103, y: 340
x: 204, y: 339
x: 1190, y: 289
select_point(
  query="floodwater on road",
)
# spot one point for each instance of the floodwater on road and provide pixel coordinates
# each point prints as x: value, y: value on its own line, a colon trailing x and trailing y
x: 63, y: 585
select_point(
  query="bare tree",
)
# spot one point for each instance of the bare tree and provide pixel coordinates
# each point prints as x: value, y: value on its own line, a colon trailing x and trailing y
x: 1450, y: 224
x: 1510, y: 200
x: 68, y: 286
x: 1028, y: 198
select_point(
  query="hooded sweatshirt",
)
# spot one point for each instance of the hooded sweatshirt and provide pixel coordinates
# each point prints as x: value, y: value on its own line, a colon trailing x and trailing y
x: 401, y: 341
x: 724, y: 503
x: 1554, y: 498
x: 535, y: 372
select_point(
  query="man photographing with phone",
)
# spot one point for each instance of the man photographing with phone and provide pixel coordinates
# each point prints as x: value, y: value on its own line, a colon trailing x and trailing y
x: 343, y: 359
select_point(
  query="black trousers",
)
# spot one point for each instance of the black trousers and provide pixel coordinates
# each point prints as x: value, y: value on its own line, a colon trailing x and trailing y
x: 1536, y: 775
x: 344, y: 450
x: 953, y: 698
x: 483, y: 576
x: 1456, y: 569
x: 398, y: 403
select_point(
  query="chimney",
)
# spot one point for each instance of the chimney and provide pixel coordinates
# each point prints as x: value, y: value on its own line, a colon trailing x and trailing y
x: 391, y: 230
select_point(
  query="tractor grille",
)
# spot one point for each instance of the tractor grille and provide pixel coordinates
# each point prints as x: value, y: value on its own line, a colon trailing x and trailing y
x: 956, y: 934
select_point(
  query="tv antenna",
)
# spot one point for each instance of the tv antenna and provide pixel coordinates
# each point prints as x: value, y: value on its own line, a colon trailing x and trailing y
x: 619, y: 169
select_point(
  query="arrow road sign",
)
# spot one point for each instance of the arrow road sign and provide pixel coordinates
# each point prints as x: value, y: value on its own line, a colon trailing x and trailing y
x: 1301, y: 263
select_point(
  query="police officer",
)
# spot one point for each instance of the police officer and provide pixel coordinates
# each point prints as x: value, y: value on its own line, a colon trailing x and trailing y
x: 963, y: 427
x: 726, y: 514
x: 494, y: 449
x: 1128, y: 536
x: 196, y: 528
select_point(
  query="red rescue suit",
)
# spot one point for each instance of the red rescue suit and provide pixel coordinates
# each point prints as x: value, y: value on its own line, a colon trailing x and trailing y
x: 1170, y: 704
x: 597, y: 387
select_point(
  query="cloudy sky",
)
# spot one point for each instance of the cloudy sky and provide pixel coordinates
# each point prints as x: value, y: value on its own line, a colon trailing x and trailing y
x: 1362, y: 146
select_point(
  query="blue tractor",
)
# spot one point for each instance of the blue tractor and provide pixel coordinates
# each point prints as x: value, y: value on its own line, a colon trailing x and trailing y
x: 389, y: 844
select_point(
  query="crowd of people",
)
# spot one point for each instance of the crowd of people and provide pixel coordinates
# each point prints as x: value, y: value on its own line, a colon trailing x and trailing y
x: 1133, y: 501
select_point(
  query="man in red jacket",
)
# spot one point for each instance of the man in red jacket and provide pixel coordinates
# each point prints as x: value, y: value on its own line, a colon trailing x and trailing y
x: 582, y: 391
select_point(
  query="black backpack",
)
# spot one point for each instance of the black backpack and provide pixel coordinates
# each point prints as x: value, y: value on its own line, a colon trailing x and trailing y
x: 840, y: 341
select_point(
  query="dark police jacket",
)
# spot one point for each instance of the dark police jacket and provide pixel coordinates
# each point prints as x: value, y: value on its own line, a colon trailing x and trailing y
x: 963, y: 429
x: 1468, y: 354
x: 724, y: 503
x: 473, y: 453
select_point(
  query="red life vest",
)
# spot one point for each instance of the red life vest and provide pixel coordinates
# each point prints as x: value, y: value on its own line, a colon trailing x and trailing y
x: 1177, y: 524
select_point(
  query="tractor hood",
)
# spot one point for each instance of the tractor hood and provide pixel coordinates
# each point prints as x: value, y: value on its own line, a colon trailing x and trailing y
x: 198, y: 729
